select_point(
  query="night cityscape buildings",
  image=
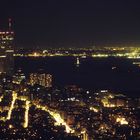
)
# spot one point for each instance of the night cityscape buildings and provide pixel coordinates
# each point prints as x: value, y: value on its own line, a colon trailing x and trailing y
x: 71, y: 72
x: 33, y: 106
x: 7, y: 50
x: 42, y: 79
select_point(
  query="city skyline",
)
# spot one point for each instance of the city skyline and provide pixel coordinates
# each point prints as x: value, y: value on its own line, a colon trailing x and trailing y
x: 72, y: 23
x: 70, y: 70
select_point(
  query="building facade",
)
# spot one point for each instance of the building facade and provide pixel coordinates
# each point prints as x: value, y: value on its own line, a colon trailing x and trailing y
x: 7, y: 51
x: 42, y: 79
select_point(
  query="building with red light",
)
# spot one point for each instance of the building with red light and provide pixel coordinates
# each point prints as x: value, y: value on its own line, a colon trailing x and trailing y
x: 7, y: 51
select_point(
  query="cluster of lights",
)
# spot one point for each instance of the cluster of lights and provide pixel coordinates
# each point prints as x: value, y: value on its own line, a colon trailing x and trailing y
x: 3, y: 33
x: 26, y: 114
x: 100, y: 55
x: 94, y: 109
x: 57, y: 117
x: 2, y: 56
x: 43, y: 79
x: 1, y: 98
x: 122, y: 121
x: 105, y: 101
x: 54, y: 114
x: 14, y: 97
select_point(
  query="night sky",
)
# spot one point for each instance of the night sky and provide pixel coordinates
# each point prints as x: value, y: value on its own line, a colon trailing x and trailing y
x: 72, y: 23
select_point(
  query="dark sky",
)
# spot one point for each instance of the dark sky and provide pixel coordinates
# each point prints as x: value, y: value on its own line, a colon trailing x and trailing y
x: 68, y: 23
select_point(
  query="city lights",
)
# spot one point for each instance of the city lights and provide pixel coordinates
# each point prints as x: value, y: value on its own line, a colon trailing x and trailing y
x: 94, y: 109
x: 27, y: 106
x: 72, y: 73
x: 57, y: 117
x: 14, y: 97
x: 1, y: 98
x: 42, y: 79
x: 122, y: 121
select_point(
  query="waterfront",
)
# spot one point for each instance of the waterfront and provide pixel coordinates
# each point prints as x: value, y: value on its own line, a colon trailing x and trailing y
x: 117, y: 74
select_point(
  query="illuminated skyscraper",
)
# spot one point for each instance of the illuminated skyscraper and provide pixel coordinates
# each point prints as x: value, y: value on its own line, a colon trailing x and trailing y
x: 7, y: 51
x: 42, y: 79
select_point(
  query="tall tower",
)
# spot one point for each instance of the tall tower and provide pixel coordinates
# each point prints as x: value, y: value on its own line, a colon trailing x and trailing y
x: 7, y: 51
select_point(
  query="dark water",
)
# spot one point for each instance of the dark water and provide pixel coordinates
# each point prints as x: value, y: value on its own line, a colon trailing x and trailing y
x: 93, y: 73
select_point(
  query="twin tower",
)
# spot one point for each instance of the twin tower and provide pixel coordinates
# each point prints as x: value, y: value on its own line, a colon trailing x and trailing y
x: 7, y: 51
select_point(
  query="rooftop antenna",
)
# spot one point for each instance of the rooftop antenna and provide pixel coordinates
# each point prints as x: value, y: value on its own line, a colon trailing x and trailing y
x: 10, y: 23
